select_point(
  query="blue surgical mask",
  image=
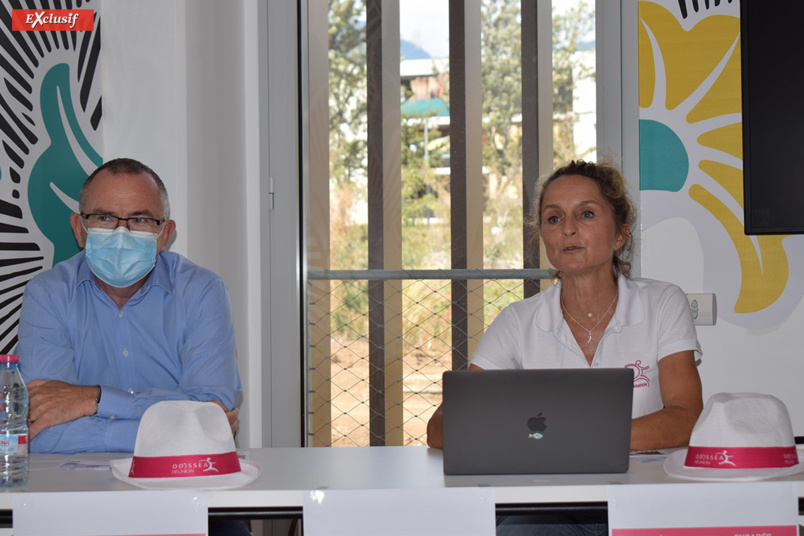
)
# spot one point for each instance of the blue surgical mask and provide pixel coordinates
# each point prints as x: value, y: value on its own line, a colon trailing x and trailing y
x: 120, y: 257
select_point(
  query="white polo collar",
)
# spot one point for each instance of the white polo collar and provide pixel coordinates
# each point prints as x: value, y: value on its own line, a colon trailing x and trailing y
x: 629, y: 311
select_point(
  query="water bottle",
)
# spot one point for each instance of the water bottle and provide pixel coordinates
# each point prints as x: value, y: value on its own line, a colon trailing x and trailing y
x: 13, y: 424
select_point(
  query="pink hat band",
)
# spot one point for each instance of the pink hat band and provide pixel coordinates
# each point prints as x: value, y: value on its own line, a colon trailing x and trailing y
x: 185, y: 444
x: 741, y: 457
x: 184, y: 466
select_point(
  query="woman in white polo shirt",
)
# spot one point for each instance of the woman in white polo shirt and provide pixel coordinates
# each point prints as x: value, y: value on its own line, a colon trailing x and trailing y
x: 596, y: 315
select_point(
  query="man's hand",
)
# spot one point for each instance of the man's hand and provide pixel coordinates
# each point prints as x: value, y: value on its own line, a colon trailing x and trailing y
x: 54, y: 402
x: 233, y: 415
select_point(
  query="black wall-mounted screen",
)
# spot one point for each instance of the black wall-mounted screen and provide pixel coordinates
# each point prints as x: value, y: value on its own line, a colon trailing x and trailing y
x: 772, y: 34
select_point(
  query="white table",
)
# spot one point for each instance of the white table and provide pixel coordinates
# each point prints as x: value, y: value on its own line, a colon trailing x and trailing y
x: 287, y: 473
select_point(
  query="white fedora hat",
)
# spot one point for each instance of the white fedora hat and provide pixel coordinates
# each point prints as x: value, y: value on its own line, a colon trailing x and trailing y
x: 739, y: 436
x: 185, y: 444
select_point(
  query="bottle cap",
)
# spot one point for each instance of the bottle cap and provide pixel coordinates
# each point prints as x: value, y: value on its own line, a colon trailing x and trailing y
x: 9, y: 358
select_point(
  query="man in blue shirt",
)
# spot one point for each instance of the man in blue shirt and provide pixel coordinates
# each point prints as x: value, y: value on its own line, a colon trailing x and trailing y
x: 123, y: 324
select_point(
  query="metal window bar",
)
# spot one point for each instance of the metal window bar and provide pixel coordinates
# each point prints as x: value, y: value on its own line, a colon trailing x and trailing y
x: 428, y: 340
x: 449, y: 275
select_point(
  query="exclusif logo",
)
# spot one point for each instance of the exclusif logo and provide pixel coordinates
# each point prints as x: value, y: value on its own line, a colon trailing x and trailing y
x: 50, y: 20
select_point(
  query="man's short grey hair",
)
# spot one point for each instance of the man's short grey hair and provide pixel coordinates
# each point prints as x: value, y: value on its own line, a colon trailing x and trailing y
x: 127, y: 166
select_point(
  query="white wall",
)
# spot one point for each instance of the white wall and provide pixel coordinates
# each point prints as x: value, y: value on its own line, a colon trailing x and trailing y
x: 736, y: 358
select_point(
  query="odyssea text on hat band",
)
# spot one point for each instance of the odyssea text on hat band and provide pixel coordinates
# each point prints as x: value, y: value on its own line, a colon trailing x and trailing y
x: 184, y: 466
x: 741, y: 457
x: 52, y: 20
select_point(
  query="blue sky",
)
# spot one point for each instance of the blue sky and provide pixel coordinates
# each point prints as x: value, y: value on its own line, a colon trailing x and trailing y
x: 426, y: 23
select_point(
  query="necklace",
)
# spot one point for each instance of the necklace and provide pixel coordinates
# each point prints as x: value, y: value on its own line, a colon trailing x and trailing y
x: 589, y: 331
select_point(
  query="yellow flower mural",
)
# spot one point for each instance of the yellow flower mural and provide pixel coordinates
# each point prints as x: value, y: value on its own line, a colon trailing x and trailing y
x: 691, y: 142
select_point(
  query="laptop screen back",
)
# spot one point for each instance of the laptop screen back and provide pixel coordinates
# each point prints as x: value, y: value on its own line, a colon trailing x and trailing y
x: 537, y: 421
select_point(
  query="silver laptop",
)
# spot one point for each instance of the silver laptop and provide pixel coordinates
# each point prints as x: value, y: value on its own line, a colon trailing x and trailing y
x: 537, y: 421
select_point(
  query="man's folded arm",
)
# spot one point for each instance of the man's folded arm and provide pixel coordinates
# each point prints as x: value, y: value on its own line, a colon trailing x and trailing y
x: 118, y: 403
x: 88, y: 434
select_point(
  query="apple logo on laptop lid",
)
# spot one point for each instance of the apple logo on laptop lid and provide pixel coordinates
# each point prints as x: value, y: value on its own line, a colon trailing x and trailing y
x: 537, y: 426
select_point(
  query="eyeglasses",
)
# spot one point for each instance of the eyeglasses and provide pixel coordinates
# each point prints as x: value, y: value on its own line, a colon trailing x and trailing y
x: 135, y: 223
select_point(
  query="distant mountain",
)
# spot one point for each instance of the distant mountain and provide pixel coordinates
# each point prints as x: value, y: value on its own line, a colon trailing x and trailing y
x: 411, y: 51
x: 586, y: 45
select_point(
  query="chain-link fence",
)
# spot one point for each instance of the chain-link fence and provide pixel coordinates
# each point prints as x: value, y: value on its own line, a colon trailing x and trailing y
x: 379, y: 341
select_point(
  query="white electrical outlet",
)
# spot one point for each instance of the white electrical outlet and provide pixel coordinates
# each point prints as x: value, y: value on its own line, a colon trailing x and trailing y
x: 703, y: 308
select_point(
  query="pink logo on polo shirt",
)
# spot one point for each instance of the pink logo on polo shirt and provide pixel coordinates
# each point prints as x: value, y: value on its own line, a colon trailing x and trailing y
x: 640, y: 378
